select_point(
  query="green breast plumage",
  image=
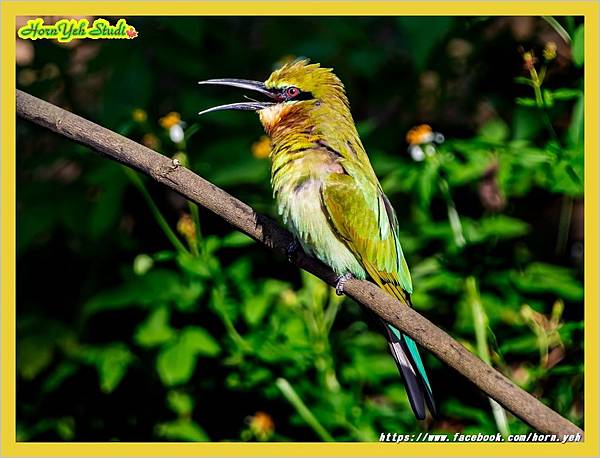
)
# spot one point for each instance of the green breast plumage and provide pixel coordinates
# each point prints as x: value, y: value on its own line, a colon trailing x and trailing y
x: 297, y: 178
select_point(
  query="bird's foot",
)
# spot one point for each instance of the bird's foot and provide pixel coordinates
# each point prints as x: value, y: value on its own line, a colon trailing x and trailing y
x: 292, y: 250
x: 340, y: 282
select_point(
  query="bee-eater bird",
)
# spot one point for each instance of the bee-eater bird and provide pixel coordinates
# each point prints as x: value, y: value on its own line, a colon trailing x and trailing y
x: 329, y: 196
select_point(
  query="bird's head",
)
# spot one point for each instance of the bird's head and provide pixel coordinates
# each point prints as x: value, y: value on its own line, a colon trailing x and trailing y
x: 299, y: 92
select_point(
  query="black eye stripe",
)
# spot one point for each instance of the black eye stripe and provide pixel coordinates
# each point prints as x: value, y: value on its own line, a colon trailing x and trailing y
x: 302, y: 95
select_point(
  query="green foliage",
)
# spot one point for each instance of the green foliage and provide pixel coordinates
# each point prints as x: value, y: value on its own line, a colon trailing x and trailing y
x: 578, y: 46
x: 111, y: 361
x: 177, y: 359
x: 141, y: 317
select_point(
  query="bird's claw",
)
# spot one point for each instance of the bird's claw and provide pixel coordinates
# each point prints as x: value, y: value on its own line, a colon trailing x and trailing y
x: 292, y: 250
x: 340, y: 282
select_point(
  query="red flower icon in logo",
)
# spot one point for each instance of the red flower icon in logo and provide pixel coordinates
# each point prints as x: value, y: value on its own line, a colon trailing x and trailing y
x: 131, y: 32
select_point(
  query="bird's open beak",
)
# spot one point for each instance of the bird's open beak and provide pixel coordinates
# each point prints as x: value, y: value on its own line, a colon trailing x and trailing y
x: 254, y: 105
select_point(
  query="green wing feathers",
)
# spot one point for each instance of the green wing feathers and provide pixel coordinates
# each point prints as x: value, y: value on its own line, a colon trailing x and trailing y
x: 362, y: 216
x: 364, y: 219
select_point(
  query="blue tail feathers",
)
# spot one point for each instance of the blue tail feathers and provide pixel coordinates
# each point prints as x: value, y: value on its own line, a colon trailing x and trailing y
x: 406, y: 353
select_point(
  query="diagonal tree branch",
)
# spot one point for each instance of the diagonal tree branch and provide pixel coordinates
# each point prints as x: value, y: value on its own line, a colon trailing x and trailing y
x: 266, y: 231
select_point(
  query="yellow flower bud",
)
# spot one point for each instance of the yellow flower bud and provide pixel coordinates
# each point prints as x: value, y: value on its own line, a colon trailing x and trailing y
x: 262, y: 148
x: 139, y: 115
x: 170, y: 120
x: 187, y: 228
x: 550, y: 51
x: 529, y: 60
x: 262, y: 425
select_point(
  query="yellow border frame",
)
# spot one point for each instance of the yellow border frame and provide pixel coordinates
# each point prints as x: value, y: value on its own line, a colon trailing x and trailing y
x: 11, y: 9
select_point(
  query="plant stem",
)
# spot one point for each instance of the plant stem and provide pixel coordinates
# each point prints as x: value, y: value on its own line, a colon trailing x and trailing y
x: 160, y: 219
x: 363, y: 436
x: 479, y: 315
x: 453, y: 216
x: 558, y: 28
x: 537, y: 81
x: 218, y: 306
x: 480, y: 322
x: 335, y: 302
x: 564, y: 224
x: 293, y: 398
x: 315, y: 316
x: 196, y: 219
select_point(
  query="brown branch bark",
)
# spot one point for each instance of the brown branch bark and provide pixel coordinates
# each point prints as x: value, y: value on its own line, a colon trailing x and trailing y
x: 266, y: 231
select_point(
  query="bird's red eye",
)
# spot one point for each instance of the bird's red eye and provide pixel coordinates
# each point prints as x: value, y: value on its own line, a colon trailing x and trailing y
x: 292, y: 92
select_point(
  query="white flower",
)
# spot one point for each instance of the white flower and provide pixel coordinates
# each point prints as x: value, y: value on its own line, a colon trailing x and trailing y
x: 416, y: 152
x: 176, y: 133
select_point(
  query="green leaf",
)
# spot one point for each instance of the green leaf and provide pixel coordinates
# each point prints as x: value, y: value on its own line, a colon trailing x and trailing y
x: 373, y: 368
x: 565, y: 180
x: 532, y: 158
x: 236, y: 239
x: 494, y: 227
x: 401, y: 179
x: 181, y: 403
x: 254, y: 309
x: 37, y: 340
x: 548, y: 97
x: 455, y: 408
x: 495, y: 130
x: 142, y: 264
x: 183, y: 429
x: 193, y: 265
x: 526, y: 101
x: 189, y: 296
x: 578, y: 46
x: 524, y: 344
x: 256, y: 305
x: 459, y: 174
x: 540, y: 277
x: 568, y: 330
x: 440, y: 280
x: 155, y: 330
x: 175, y: 363
x: 526, y: 124
x: 111, y: 361
x: 576, y: 128
x: 34, y: 354
x: 198, y: 341
x: 62, y: 372
x: 566, y: 94
x: 212, y: 243
x: 523, y: 80
x: 113, y: 369
x: 156, y: 287
x: 427, y: 182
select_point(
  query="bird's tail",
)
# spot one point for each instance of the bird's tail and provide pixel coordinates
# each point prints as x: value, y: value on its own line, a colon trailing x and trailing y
x: 405, y: 352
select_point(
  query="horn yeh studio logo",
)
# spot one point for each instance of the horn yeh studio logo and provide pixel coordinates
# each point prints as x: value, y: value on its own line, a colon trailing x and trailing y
x: 66, y: 30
